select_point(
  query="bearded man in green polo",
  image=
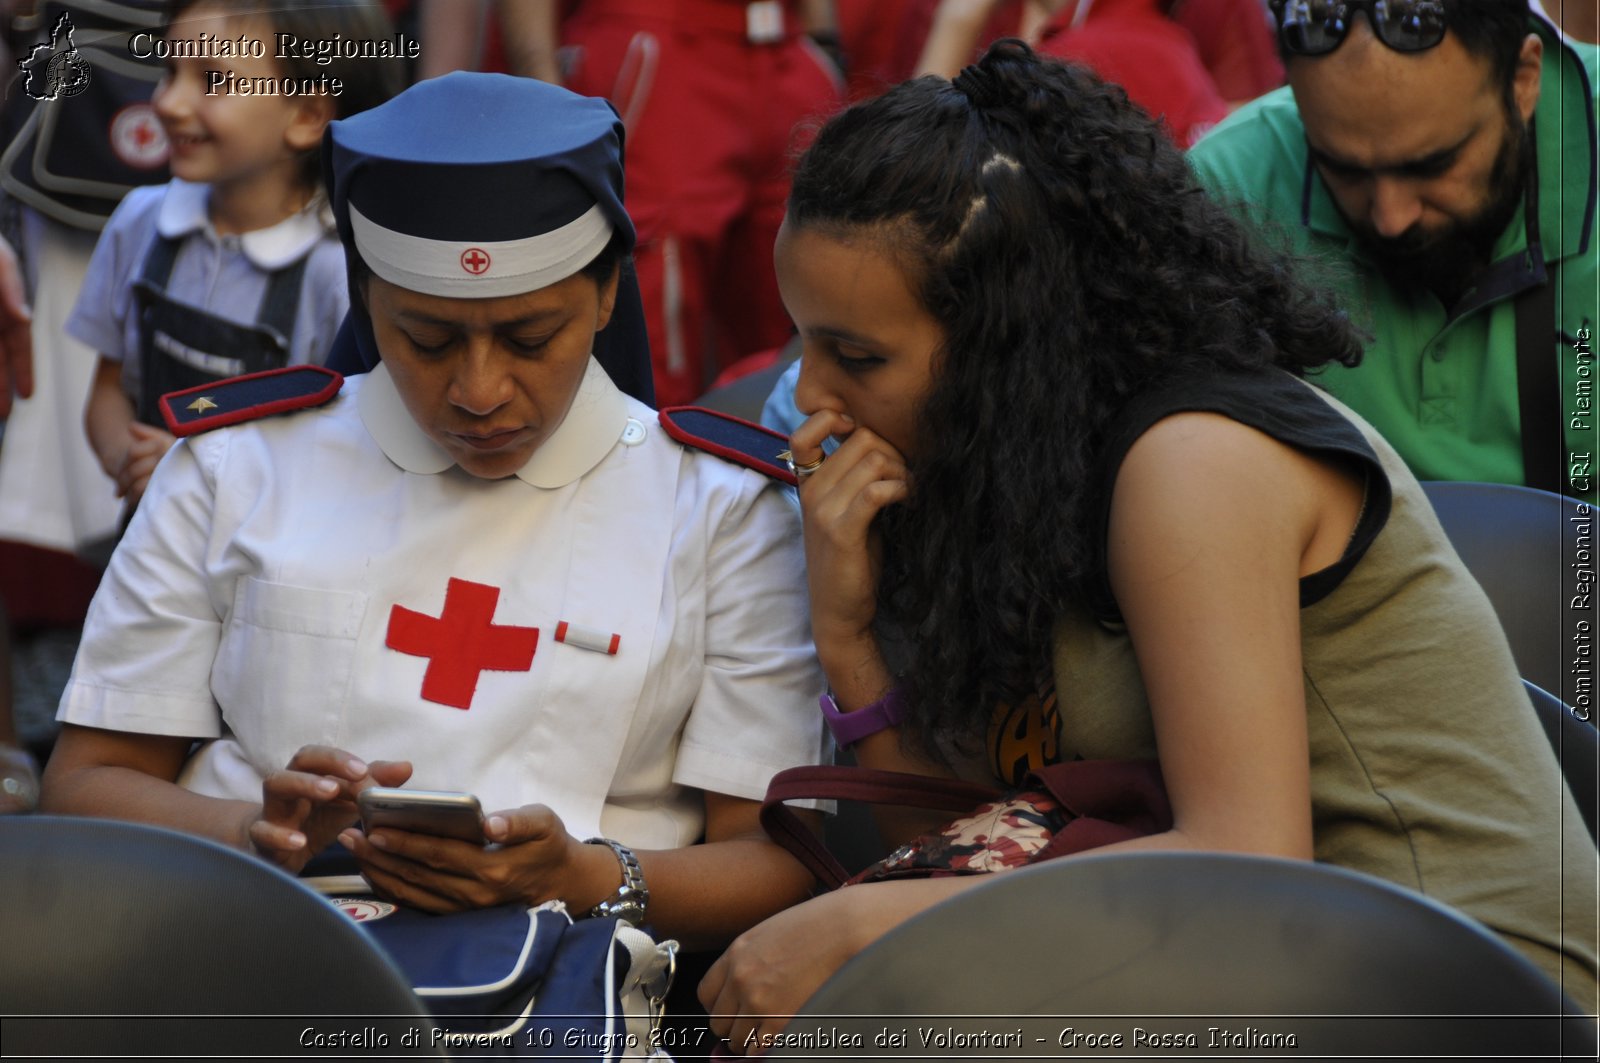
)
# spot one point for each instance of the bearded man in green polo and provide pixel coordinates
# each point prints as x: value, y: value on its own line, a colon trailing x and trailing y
x: 1442, y: 155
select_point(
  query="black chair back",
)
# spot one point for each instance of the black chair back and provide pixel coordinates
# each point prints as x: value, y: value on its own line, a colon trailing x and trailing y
x: 1234, y: 951
x: 1516, y: 542
x: 1577, y: 746
x: 118, y: 939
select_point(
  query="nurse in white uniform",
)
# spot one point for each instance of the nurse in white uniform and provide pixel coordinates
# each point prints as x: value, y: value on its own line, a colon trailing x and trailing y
x: 479, y: 567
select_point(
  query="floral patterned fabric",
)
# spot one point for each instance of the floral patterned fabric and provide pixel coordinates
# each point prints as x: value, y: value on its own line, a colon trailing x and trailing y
x: 1002, y: 834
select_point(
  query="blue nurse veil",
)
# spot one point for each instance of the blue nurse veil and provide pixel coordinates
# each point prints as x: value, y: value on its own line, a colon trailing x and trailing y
x: 480, y: 185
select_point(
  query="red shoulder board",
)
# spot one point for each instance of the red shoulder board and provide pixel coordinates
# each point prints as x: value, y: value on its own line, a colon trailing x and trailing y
x: 248, y: 398
x: 739, y: 441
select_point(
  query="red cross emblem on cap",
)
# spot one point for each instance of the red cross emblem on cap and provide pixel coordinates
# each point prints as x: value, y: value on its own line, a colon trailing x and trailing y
x: 475, y: 260
x: 461, y: 643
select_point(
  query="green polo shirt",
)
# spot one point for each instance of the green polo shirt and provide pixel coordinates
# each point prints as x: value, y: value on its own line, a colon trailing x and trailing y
x: 1443, y: 389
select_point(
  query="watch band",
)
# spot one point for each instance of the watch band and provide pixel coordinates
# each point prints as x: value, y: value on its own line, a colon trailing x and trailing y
x: 851, y: 727
x: 632, y: 897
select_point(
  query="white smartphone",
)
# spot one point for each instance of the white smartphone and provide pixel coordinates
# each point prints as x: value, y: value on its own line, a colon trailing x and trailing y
x: 444, y: 813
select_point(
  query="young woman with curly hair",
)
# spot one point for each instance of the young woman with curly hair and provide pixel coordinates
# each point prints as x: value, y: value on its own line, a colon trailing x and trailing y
x: 1086, y: 506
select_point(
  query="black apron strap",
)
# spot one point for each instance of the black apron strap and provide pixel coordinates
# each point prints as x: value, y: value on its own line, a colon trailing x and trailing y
x: 1538, y: 387
x: 183, y: 346
x: 281, y: 301
x: 158, y: 262
x: 1538, y: 367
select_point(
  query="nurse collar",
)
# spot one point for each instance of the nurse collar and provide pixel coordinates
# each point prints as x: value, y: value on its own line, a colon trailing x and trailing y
x: 593, y: 425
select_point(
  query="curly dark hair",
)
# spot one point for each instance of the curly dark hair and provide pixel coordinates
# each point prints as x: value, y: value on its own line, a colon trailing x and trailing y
x: 1063, y: 245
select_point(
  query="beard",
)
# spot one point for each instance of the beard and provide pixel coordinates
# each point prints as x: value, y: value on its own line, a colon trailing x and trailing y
x: 1447, y: 260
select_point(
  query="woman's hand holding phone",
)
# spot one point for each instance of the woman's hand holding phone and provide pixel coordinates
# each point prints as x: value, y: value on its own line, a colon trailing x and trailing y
x: 532, y: 859
x: 306, y: 804
x: 445, y: 813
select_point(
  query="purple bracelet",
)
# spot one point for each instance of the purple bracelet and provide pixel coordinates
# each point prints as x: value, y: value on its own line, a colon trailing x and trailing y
x: 851, y: 727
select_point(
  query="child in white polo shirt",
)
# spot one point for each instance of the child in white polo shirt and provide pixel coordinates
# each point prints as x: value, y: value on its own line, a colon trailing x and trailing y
x: 233, y: 267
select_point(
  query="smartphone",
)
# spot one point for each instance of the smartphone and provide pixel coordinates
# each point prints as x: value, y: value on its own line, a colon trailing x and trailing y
x: 440, y: 812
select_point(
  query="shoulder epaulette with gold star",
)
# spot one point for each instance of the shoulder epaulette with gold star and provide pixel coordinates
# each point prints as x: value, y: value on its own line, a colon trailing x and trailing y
x: 248, y: 398
x: 733, y: 438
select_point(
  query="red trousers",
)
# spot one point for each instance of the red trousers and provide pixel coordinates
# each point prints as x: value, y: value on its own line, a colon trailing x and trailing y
x: 711, y: 121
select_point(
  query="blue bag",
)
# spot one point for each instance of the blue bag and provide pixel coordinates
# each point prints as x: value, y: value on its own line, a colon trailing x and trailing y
x: 526, y: 982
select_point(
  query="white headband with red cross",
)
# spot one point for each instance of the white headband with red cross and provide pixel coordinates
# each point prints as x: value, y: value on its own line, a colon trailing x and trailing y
x: 485, y: 269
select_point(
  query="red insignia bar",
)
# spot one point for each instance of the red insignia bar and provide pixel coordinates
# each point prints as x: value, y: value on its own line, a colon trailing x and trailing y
x: 732, y: 438
x: 588, y: 638
x: 248, y: 398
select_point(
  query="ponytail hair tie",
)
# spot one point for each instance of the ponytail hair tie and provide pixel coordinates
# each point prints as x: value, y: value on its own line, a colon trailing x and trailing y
x: 990, y: 83
x: 980, y: 86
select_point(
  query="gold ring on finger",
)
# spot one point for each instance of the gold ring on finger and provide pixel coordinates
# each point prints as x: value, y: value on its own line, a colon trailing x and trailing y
x: 802, y: 470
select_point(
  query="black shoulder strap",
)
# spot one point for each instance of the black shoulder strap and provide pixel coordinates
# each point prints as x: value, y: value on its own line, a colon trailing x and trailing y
x: 1538, y: 368
x: 1538, y: 387
x: 158, y: 262
x: 281, y: 301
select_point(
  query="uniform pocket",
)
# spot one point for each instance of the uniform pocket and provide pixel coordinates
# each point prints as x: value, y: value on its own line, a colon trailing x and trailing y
x: 298, y: 610
x: 283, y: 671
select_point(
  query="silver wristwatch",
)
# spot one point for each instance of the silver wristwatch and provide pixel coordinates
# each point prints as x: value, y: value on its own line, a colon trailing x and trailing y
x: 631, y: 898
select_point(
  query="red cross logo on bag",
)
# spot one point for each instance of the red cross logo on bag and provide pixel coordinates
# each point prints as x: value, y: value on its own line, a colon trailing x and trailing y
x: 137, y: 137
x: 475, y: 260
x: 461, y: 643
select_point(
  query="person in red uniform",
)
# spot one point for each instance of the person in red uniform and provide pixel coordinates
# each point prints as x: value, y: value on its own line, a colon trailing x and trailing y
x: 711, y: 93
x: 1236, y: 42
x: 1130, y: 42
x: 880, y: 41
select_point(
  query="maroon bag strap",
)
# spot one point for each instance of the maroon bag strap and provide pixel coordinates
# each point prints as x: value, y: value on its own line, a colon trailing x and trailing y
x: 1109, y: 800
x: 841, y: 782
x: 1109, y: 789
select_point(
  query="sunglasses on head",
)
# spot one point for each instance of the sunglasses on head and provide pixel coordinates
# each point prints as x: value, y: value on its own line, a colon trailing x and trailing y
x: 1317, y: 27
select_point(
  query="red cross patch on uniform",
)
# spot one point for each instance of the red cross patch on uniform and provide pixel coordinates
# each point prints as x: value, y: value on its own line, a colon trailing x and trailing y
x: 461, y: 643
